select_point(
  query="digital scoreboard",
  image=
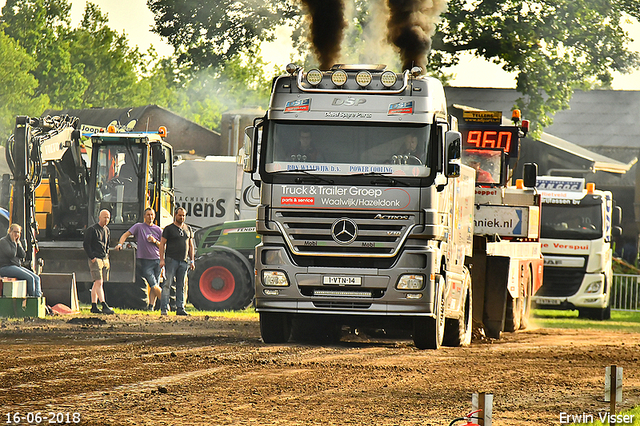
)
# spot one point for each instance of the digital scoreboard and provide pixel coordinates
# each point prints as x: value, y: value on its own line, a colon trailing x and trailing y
x: 479, y: 136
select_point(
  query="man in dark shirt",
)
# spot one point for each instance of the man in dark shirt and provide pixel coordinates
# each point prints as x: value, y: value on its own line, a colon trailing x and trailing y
x: 176, y: 255
x: 96, y: 245
x: 11, y: 252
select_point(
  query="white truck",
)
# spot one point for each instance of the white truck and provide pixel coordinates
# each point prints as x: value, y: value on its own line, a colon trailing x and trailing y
x: 578, y: 223
x: 366, y: 213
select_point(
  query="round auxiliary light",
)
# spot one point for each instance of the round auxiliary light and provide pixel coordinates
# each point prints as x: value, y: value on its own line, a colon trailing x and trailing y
x: 363, y: 78
x: 388, y: 78
x: 314, y: 77
x: 291, y: 68
x: 339, y: 78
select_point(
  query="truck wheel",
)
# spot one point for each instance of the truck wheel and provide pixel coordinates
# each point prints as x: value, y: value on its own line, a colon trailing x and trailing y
x: 428, y: 332
x: 598, y: 314
x: 275, y: 327
x: 513, y: 314
x: 220, y: 282
x: 126, y: 295
x: 458, y: 331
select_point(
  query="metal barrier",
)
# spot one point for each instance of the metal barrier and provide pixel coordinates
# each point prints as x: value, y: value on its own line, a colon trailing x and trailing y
x: 625, y: 292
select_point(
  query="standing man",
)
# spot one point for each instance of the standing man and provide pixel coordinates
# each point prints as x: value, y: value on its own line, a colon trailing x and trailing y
x: 176, y: 255
x: 96, y: 245
x: 11, y: 253
x: 148, y: 254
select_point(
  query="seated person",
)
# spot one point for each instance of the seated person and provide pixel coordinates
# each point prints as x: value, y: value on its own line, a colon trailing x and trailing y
x: 482, y: 176
x: 304, y: 150
x: 411, y: 152
x: 11, y: 252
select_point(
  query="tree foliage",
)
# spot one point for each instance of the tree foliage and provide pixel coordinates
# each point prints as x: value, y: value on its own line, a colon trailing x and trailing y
x: 17, y: 85
x: 209, y: 33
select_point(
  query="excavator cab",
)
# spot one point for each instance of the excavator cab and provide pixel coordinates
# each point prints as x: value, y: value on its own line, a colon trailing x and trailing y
x: 130, y: 172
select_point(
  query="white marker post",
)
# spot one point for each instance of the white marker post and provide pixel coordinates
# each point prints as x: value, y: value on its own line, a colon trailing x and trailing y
x: 483, y: 401
x: 613, y: 386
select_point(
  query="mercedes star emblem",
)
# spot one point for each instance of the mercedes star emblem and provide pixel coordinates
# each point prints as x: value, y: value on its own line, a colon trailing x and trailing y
x: 344, y: 231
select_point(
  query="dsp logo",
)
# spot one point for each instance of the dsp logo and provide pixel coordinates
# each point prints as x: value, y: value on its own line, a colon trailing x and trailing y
x: 299, y: 105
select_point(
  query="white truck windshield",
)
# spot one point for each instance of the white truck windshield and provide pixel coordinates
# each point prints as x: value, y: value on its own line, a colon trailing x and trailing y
x: 571, y: 222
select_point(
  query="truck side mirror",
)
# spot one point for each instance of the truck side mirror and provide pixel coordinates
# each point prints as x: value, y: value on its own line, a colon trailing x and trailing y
x: 453, y: 142
x: 248, y: 157
x: 530, y: 175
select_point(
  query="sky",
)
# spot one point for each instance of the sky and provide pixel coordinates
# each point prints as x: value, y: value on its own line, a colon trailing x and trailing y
x: 135, y: 19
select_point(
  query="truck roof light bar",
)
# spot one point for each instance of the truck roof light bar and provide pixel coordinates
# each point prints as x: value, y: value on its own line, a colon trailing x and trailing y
x: 405, y: 84
x: 360, y: 67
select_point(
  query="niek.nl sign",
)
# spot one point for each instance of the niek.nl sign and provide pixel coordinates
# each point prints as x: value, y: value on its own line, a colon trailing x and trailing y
x: 505, y: 221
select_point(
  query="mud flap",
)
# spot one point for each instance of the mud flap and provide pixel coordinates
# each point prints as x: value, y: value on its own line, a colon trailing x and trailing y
x: 495, y: 295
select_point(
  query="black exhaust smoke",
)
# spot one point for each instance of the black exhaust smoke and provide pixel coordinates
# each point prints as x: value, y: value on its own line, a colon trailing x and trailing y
x: 410, y: 27
x: 327, y: 24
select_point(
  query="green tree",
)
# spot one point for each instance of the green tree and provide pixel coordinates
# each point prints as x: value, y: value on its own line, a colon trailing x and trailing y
x: 208, y: 33
x: 40, y: 27
x: 111, y: 67
x: 17, y: 86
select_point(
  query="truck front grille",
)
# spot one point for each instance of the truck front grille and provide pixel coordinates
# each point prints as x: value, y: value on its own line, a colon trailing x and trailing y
x: 560, y: 282
x: 310, y: 233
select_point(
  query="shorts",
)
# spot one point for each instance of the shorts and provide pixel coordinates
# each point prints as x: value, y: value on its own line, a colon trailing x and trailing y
x: 99, y: 269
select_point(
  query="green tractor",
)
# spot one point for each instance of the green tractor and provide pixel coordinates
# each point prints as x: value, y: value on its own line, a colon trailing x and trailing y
x: 224, y: 276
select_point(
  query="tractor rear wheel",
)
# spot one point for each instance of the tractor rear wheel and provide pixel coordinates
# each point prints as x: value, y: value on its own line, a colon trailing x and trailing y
x: 221, y: 282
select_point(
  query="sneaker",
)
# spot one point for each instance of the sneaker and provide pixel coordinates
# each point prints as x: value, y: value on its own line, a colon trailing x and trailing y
x: 95, y: 310
x: 149, y: 307
x: 182, y: 313
x: 107, y: 310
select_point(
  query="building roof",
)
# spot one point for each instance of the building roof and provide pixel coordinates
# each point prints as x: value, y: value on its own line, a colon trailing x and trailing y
x: 595, y: 118
x: 125, y: 118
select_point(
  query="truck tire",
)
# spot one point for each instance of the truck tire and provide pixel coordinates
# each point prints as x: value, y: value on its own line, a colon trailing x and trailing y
x: 428, y: 332
x: 220, y: 282
x: 126, y: 295
x: 458, y: 331
x: 275, y: 327
x: 598, y: 314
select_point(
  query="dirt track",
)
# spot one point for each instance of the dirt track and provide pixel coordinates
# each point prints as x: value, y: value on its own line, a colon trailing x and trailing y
x: 140, y: 369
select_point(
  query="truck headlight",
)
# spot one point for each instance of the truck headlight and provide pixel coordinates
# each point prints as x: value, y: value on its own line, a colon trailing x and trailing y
x: 274, y: 279
x: 594, y: 287
x: 410, y: 282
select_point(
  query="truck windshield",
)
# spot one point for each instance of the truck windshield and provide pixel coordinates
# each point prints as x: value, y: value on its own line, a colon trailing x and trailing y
x: 117, y: 176
x: 582, y: 222
x: 348, y: 148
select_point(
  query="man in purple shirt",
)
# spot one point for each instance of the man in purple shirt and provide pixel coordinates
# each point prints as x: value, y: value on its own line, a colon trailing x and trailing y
x: 148, y: 255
